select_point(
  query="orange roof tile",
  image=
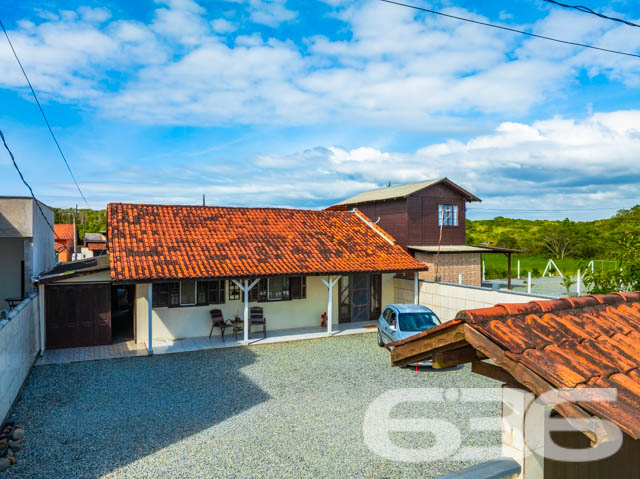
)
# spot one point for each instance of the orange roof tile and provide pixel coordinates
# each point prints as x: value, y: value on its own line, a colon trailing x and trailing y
x: 593, y: 341
x: 175, y: 242
x: 63, y: 231
x: 96, y: 246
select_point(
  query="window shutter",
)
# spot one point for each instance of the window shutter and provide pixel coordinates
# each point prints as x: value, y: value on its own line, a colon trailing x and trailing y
x: 295, y: 287
x: 221, y: 291
x: 174, y: 294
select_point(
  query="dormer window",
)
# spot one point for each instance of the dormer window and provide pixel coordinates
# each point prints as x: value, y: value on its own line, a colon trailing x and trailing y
x: 447, y: 215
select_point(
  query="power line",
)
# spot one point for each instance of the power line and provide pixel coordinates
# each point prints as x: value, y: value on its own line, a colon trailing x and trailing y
x: 33, y: 92
x: 592, y: 12
x: 492, y: 25
x: 13, y: 160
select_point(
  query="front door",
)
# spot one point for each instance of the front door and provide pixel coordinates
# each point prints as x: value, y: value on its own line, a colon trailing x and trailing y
x: 359, y: 297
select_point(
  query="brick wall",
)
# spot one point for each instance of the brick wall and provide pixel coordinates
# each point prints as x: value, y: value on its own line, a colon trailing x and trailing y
x: 450, y: 265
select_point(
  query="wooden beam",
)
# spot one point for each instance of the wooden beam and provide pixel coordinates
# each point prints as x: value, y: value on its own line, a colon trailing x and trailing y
x: 423, y: 348
x: 528, y: 379
x: 448, y: 359
x: 494, y: 372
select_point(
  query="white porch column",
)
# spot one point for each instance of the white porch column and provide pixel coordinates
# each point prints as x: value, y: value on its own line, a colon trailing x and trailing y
x: 150, y: 318
x: 246, y: 311
x: 520, y: 442
x: 245, y: 287
x: 330, y: 284
x: 41, y: 308
x: 416, y: 288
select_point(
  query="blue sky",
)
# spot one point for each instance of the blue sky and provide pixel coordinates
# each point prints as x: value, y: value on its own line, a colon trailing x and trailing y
x: 300, y: 104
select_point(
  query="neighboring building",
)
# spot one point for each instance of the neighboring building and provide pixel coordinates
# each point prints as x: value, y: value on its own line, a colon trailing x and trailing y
x: 422, y: 216
x: 95, y: 244
x: 26, y: 246
x: 543, y: 347
x: 64, y: 241
x: 187, y: 260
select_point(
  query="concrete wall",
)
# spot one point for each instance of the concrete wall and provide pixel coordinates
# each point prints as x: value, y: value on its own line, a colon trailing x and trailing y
x: 21, y: 220
x: 19, y: 347
x: 450, y: 265
x: 42, y: 245
x: 11, y: 254
x: 16, y: 217
x: 447, y: 299
x: 194, y: 321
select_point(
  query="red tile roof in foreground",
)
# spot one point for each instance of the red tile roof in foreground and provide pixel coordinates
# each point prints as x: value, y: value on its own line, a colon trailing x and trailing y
x: 175, y: 242
x: 591, y: 341
x: 63, y: 231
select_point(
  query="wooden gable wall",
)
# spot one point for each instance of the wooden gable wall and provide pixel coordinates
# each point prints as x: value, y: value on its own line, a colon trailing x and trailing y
x: 414, y: 220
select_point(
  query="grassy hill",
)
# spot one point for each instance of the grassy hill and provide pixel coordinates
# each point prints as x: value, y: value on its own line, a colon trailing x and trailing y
x: 572, y: 244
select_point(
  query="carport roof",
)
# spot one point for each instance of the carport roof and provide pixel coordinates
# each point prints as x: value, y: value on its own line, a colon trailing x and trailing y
x: 79, y: 267
x: 167, y: 242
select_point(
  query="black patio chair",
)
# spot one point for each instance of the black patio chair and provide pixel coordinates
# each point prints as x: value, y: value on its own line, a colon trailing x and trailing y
x: 256, y: 316
x: 217, y: 321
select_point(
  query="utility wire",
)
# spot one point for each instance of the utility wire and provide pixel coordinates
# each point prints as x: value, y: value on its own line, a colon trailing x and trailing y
x: 33, y: 92
x: 4, y: 142
x: 492, y: 25
x: 592, y: 12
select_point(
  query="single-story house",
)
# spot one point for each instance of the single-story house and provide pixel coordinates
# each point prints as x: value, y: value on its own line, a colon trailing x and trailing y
x: 65, y: 236
x: 186, y: 260
x: 95, y: 244
x: 547, y: 348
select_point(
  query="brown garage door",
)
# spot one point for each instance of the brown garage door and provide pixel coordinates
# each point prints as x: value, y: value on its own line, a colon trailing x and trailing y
x: 78, y: 315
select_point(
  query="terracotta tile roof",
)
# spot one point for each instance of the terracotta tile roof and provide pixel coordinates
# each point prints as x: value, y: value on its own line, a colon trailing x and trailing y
x: 173, y: 242
x: 63, y: 231
x: 96, y: 246
x: 592, y: 341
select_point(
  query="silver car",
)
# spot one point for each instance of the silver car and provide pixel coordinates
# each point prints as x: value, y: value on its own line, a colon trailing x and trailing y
x: 400, y: 321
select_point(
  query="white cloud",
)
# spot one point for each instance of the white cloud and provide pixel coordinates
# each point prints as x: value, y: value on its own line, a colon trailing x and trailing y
x: 271, y: 12
x: 556, y: 163
x: 220, y: 25
x: 397, y: 67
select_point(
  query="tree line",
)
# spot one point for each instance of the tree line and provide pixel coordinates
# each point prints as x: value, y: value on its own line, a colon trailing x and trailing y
x: 88, y: 221
x: 616, y: 238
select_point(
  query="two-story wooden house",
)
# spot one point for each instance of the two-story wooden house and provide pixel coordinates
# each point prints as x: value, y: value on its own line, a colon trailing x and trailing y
x: 429, y: 220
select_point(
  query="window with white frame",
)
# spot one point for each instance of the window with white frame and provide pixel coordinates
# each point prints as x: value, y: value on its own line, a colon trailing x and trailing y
x: 447, y: 215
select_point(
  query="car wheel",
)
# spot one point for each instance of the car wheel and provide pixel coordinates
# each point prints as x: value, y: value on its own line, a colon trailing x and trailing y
x: 380, y: 341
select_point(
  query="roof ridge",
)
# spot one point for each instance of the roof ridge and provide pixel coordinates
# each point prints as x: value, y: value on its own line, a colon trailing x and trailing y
x: 503, y: 310
x: 274, y: 208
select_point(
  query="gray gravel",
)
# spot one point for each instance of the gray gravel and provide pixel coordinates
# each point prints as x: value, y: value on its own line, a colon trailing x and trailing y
x: 281, y: 410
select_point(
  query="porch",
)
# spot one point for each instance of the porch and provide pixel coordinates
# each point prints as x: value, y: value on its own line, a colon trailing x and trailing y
x: 131, y: 349
x: 346, y: 302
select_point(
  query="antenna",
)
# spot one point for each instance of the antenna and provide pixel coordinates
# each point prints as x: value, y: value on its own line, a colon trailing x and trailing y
x: 203, y: 202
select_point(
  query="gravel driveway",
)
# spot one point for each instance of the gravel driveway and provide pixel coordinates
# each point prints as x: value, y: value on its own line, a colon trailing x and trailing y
x: 282, y: 410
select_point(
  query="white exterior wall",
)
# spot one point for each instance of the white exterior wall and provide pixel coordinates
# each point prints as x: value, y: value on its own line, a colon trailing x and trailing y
x: 447, y: 299
x: 194, y: 321
x: 19, y: 347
